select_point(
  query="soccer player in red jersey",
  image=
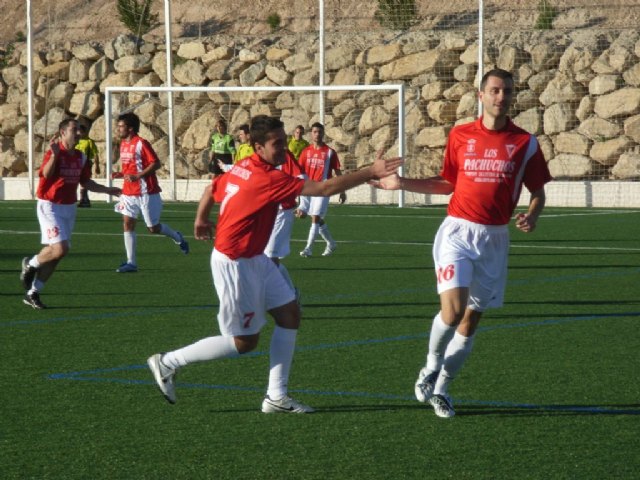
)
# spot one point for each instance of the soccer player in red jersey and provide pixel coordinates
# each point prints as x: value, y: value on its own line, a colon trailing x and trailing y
x: 62, y: 169
x: 486, y: 164
x: 247, y: 282
x: 318, y: 162
x: 140, y: 190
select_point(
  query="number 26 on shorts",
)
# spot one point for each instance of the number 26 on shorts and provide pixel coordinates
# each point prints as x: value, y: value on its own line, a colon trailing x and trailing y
x: 446, y: 273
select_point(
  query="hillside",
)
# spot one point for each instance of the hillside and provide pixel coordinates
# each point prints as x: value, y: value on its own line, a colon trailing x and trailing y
x: 86, y: 20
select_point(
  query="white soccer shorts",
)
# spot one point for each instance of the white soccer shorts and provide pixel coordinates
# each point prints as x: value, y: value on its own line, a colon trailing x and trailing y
x: 280, y: 239
x: 149, y: 206
x: 56, y: 221
x: 303, y: 203
x: 247, y: 289
x: 471, y: 255
x: 318, y: 206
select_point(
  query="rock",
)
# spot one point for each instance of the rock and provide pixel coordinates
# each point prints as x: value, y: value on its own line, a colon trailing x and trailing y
x: 568, y: 166
x: 627, y: 167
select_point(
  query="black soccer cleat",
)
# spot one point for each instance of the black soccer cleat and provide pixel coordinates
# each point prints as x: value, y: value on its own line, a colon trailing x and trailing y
x: 28, y: 274
x: 33, y: 300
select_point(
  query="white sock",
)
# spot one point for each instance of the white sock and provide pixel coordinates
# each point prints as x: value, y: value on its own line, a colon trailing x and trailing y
x: 457, y: 352
x: 285, y: 274
x: 130, y: 241
x: 167, y: 231
x: 326, y: 234
x: 313, y: 233
x: 34, y: 262
x: 36, y: 286
x: 440, y: 336
x: 283, y: 343
x: 210, y: 348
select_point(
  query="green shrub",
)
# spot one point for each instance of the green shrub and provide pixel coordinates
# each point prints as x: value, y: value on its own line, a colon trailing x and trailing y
x: 396, y: 14
x: 136, y: 16
x: 273, y: 21
x: 546, y: 14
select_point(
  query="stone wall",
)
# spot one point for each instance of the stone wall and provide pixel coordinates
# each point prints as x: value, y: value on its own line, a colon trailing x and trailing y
x: 578, y: 91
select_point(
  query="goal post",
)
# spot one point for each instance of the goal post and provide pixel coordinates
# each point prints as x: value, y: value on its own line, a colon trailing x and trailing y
x: 359, y: 120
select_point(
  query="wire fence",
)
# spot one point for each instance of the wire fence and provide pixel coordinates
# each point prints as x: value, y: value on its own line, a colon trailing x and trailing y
x: 576, y: 65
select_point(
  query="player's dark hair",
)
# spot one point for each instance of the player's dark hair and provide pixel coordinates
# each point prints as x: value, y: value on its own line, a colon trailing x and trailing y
x: 244, y: 127
x: 318, y: 125
x: 299, y: 127
x: 65, y: 123
x: 496, y: 72
x: 131, y: 120
x: 261, y: 127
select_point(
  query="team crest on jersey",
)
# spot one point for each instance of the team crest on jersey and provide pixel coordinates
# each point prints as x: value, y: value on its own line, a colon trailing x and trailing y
x: 510, y: 149
x: 471, y: 145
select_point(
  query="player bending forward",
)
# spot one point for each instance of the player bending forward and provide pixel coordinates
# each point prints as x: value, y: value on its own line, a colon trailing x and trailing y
x: 247, y: 282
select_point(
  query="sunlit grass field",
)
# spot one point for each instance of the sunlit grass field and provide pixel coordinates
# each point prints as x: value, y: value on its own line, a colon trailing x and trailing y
x: 551, y: 390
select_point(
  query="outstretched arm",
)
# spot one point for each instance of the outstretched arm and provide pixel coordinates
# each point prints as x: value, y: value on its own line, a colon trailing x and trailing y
x: 378, y: 169
x: 98, y: 188
x: 432, y: 185
x: 527, y: 221
x: 203, y: 227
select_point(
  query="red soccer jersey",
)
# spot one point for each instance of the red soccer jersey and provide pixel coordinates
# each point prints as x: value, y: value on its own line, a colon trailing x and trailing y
x: 488, y: 169
x: 136, y: 155
x: 291, y: 168
x: 319, y: 163
x: 71, y: 169
x: 249, y: 195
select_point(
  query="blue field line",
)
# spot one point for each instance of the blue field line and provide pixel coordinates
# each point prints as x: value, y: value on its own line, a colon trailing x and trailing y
x: 588, y: 409
x: 81, y: 375
x: 170, y: 310
x: 105, y: 315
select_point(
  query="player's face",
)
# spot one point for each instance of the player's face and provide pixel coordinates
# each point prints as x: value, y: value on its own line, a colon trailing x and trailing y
x: 496, y: 97
x: 297, y: 133
x: 70, y: 134
x: 222, y: 128
x: 317, y: 134
x: 243, y: 137
x: 123, y: 130
x: 273, y: 150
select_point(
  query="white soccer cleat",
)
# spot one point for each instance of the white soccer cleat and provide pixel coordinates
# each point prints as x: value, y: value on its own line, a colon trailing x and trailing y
x: 442, y: 406
x: 305, y: 253
x: 284, y: 405
x: 425, y: 384
x: 331, y: 247
x: 164, y: 377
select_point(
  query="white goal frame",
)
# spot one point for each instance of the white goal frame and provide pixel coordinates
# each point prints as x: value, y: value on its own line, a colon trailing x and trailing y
x: 110, y: 91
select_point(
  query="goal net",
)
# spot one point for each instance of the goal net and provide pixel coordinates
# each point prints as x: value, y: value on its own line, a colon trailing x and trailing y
x: 359, y: 120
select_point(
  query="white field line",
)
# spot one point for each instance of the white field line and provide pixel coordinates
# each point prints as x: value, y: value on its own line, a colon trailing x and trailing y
x: 368, y: 242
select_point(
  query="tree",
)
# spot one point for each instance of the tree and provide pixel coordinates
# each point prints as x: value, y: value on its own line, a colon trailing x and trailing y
x: 546, y: 14
x: 136, y: 16
x: 396, y: 14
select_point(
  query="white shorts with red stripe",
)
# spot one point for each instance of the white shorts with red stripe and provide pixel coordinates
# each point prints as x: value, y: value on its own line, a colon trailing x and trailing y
x: 247, y: 289
x: 472, y: 256
x: 149, y: 206
x: 56, y: 221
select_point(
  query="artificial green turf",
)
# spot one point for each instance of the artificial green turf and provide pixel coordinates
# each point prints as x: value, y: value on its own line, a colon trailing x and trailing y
x: 550, y: 391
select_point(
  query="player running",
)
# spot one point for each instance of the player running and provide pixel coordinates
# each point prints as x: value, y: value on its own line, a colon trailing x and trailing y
x: 486, y: 164
x: 247, y: 282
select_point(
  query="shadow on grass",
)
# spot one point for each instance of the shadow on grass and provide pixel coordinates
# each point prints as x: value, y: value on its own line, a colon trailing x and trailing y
x: 465, y: 410
x: 548, y: 410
